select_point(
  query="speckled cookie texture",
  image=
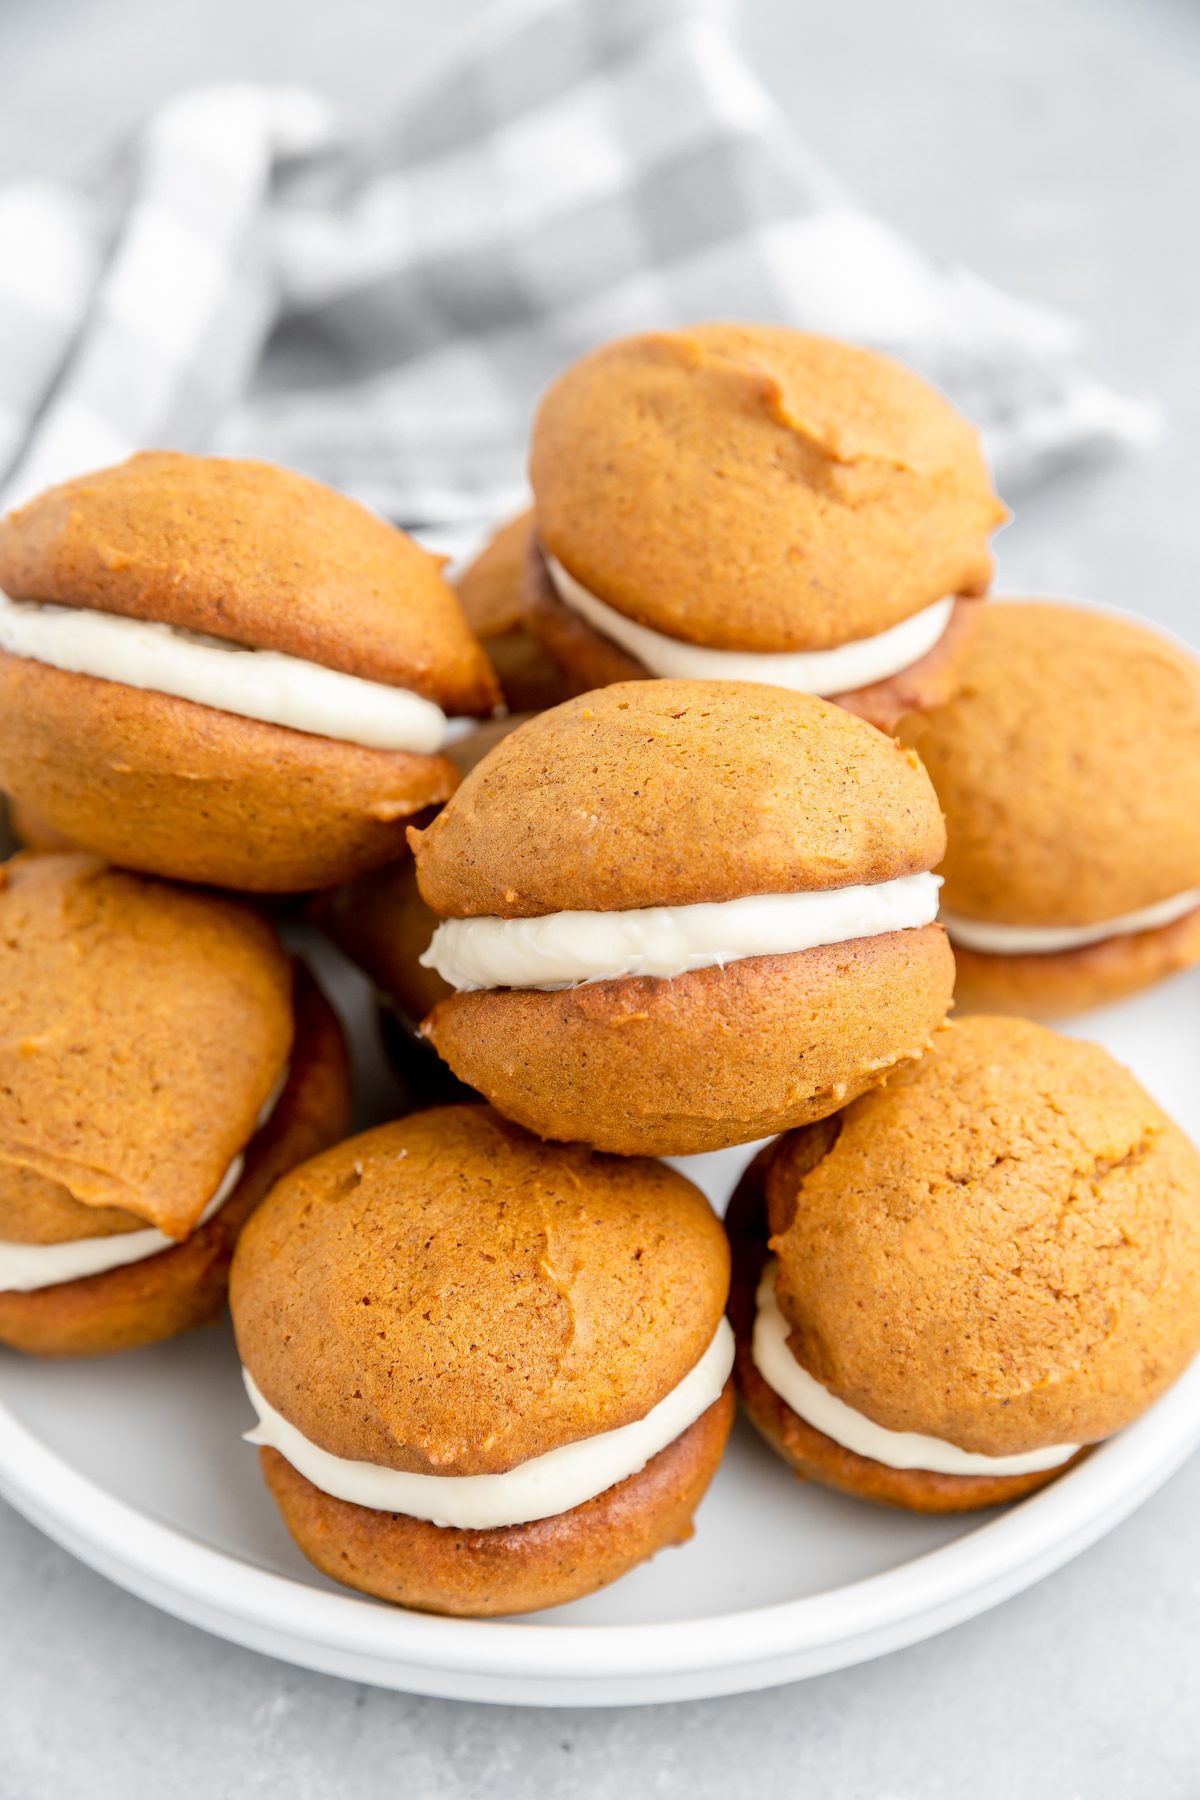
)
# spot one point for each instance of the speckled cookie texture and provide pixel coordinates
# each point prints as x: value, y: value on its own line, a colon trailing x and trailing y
x: 163, y: 1295
x: 1002, y: 1247
x: 264, y: 558
x: 142, y: 1028
x: 449, y: 1296
x: 670, y: 793
x: 750, y: 487
x: 254, y: 553
x: 811, y: 1453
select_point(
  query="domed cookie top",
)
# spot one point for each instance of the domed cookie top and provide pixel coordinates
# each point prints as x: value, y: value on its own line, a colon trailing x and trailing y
x: 670, y: 793
x: 255, y: 554
x: 1002, y: 1247
x: 750, y: 487
x: 1068, y: 768
x: 142, y: 1028
x: 448, y: 1295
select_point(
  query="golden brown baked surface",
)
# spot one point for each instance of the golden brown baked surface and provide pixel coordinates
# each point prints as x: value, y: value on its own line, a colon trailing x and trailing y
x: 163, y: 1295
x: 813, y: 1455
x: 1068, y: 768
x: 185, y: 791
x: 750, y: 487
x: 512, y: 1568
x: 1073, y: 981
x: 642, y: 1066
x: 142, y: 1028
x: 666, y: 793
x: 1026, y: 1222
x: 447, y: 1295
x: 254, y: 553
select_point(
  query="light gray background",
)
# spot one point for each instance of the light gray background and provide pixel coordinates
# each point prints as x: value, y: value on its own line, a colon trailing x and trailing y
x: 1053, y: 146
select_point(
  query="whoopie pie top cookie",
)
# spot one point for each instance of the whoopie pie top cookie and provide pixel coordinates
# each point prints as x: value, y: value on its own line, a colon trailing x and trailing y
x: 143, y: 1029
x: 999, y: 1250
x: 256, y: 556
x: 1069, y: 772
x: 758, y: 503
x: 447, y: 1296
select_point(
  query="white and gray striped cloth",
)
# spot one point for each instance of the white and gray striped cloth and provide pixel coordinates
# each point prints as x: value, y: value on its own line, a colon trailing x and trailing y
x: 241, y: 275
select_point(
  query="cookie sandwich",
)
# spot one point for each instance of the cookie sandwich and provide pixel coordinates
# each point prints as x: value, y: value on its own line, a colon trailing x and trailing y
x: 680, y: 915
x: 490, y: 1374
x: 753, y: 503
x: 1068, y: 769
x: 945, y: 1293
x: 226, y: 673
x: 161, y: 1064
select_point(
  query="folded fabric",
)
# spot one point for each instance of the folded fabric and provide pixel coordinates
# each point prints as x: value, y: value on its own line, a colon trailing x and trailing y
x: 383, y: 312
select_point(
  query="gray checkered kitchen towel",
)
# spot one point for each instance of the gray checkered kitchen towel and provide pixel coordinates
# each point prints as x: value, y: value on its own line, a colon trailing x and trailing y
x: 241, y: 276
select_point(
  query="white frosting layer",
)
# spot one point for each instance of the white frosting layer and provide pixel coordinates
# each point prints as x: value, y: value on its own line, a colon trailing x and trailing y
x: 1044, y: 940
x: 853, y: 1430
x: 562, y: 949
x: 254, y: 684
x: 838, y: 671
x: 25, y: 1267
x: 537, y: 1489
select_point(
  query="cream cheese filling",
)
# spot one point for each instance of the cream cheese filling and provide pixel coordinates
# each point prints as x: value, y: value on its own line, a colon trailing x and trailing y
x: 1044, y: 940
x: 563, y: 949
x: 254, y: 684
x: 853, y: 1430
x: 26, y: 1267
x: 857, y: 664
x: 537, y: 1489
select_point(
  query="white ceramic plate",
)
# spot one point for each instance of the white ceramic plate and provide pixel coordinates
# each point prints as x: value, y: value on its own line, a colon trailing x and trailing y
x: 136, y: 1465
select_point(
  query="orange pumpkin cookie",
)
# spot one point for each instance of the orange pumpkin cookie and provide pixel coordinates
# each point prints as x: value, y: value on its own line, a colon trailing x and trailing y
x: 224, y: 672
x: 491, y: 1374
x: 981, y: 1269
x: 750, y: 502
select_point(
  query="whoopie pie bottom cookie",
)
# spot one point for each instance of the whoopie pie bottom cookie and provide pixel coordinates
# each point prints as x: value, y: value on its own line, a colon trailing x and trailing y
x: 643, y: 1065
x: 509, y: 1568
x: 1066, y: 982
x: 163, y: 1295
x: 813, y: 1455
x: 187, y: 791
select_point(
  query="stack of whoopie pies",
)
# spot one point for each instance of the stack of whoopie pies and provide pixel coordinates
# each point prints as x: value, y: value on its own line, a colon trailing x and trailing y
x: 658, y: 833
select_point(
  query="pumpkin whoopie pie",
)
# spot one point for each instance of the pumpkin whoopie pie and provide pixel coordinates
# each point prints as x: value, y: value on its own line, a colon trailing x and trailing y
x: 1068, y: 769
x: 224, y: 672
x: 755, y: 503
x: 161, y: 1063
x: 943, y: 1294
x: 685, y: 914
x: 491, y: 1374
x: 492, y: 592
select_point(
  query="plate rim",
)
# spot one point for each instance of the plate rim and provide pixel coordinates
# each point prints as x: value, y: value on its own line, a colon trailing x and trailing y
x: 864, y: 1618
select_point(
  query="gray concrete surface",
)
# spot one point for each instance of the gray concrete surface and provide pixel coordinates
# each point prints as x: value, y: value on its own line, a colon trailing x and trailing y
x: 1054, y: 146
